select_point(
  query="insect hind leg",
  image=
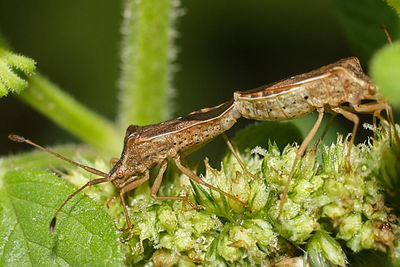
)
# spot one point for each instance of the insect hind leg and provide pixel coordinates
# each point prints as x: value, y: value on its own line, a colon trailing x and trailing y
x: 239, y: 160
x: 198, y: 180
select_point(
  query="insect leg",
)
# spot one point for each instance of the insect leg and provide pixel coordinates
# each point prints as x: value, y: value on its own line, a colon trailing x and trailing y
x: 300, y: 153
x: 198, y: 180
x: 379, y: 116
x: 113, y: 161
x: 111, y: 200
x: 355, y: 119
x: 376, y: 108
x: 390, y: 115
x: 126, y: 189
x: 329, y: 124
x: 232, y: 149
x: 157, y: 184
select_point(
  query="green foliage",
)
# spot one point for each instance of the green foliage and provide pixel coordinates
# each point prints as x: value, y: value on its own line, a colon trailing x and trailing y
x: 385, y: 71
x: 323, y: 251
x: 395, y: 4
x: 26, y: 210
x: 323, y: 196
x: 12, y: 68
x: 330, y: 209
x: 361, y: 20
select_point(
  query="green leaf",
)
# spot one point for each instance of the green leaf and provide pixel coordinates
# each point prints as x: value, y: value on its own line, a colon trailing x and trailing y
x: 395, y: 4
x: 361, y: 21
x: 12, y: 68
x: 385, y: 71
x: 84, y: 235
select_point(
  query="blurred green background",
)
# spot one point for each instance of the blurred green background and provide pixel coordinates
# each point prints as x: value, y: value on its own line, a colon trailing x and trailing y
x: 222, y: 46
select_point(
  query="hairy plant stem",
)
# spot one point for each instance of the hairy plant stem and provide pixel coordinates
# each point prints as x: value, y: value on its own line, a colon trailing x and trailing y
x: 146, y: 58
x: 69, y: 114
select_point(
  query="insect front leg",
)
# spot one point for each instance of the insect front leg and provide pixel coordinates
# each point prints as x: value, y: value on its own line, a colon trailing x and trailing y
x: 198, y: 180
x: 376, y: 109
x: 111, y: 200
x: 157, y: 184
x: 126, y: 189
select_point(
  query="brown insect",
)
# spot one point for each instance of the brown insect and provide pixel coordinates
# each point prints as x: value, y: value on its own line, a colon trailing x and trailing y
x: 148, y: 146
x: 340, y: 88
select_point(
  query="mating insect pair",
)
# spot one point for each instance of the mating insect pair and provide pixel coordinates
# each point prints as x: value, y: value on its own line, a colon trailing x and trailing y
x: 341, y: 88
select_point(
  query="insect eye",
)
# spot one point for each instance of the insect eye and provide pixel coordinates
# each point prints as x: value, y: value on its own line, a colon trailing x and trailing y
x: 120, y: 173
x: 372, y: 89
x: 134, y: 134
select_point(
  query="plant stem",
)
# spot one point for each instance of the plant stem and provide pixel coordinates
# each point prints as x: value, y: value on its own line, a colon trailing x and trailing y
x: 72, y: 116
x: 146, y: 56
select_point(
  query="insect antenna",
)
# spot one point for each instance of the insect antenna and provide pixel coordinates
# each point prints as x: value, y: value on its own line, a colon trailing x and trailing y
x: 92, y: 182
x: 383, y: 27
x: 20, y: 139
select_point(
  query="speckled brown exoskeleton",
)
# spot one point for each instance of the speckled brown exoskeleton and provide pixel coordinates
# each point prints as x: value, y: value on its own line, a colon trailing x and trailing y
x: 340, y: 88
x: 148, y: 146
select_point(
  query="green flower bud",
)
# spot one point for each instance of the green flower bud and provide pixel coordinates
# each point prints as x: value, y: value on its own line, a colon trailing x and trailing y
x: 11, y: 68
x: 167, y: 218
x: 323, y: 250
